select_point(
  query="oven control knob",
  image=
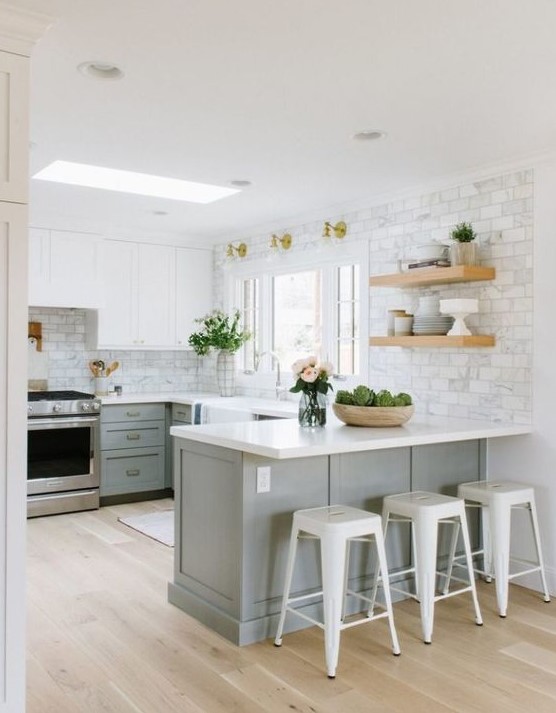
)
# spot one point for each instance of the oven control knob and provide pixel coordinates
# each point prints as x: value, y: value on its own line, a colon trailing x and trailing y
x: 29, y: 409
x: 57, y: 408
x: 96, y: 406
x: 85, y: 407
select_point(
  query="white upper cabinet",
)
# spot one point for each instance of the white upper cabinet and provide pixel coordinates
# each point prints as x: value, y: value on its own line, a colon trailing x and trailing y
x: 156, y: 295
x: 152, y: 294
x: 116, y: 322
x: 65, y: 269
x: 14, y: 131
x: 193, y: 290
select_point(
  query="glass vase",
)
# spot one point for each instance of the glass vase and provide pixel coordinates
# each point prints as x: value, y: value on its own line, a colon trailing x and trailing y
x: 312, y: 409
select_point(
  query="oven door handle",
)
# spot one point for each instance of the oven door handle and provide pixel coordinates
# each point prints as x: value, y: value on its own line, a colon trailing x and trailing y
x: 35, y: 424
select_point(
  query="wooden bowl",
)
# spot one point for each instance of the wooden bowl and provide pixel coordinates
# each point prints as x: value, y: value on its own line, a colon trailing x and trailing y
x: 373, y: 416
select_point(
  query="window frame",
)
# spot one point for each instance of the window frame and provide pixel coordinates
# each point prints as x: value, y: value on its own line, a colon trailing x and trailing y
x: 328, y: 260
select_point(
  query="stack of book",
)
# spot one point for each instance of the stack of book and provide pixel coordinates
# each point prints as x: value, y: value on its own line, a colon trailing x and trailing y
x: 429, y: 263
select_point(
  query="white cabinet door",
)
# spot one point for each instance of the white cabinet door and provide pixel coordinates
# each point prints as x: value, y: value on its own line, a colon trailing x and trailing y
x: 156, y: 296
x: 75, y: 269
x: 65, y: 269
x: 152, y: 295
x: 39, y: 267
x: 13, y: 447
x: 193, y: 290
x: 14, y: 127
x: 117, y: 320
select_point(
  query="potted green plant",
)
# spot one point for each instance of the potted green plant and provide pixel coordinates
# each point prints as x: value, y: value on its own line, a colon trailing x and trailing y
x: 463, y: 250
x: 223, y: 333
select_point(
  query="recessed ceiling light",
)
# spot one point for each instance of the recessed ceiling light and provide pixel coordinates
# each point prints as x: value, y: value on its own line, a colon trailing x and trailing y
x: 100, y: 70
x: 240, y: 183
x: 369, y: 135
x: 110, y: 179
x: 160, y: 212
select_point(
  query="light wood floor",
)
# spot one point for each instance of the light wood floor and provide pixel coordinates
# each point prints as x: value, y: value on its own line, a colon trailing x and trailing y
x: 102, y: 638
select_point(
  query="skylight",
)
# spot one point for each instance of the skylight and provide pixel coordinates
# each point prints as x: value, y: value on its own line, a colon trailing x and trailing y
x: 111, y: 179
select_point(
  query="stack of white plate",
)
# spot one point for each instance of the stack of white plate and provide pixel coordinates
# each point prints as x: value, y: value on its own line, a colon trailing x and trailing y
x: 432, y: 324
x: 428, y: 320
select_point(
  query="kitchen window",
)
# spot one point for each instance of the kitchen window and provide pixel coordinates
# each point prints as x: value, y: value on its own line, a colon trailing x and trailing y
x: 295, y: 308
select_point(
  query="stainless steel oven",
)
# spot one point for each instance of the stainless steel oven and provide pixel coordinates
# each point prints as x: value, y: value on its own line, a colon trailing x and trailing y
x: 62, y: 452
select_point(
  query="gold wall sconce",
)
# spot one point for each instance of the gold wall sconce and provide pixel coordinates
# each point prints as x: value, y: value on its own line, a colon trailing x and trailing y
x: 233, y: 251
x: 283, y: 243
x: 339, y: 230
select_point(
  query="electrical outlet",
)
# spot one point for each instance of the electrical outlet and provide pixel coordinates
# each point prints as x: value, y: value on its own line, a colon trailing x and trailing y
x: 263, y: 479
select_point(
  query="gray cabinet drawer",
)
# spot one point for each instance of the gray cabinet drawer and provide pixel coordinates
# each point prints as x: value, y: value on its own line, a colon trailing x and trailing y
x: 124, y: 435
x: 132, y: 471
x: 132, y: 412
x: 182, y: 412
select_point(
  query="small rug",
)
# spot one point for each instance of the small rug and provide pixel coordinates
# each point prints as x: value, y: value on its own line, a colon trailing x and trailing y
x: 157, y: 525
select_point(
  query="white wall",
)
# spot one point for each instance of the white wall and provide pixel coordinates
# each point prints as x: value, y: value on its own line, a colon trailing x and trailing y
x: 532, y: 459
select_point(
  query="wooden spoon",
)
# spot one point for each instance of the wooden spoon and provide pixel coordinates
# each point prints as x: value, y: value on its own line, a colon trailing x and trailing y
x: 112, y: 368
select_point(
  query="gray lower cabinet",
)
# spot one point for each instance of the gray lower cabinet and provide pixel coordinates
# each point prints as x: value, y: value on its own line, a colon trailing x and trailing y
x: 232, y: 542
x: 133, y: 445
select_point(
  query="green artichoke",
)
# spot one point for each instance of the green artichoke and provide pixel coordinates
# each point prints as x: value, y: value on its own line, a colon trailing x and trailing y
x: 344, y: 397
x: 361, y: 395
x: 383, y: 398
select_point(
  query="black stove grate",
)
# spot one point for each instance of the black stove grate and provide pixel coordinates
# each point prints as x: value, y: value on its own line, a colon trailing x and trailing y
x: 57, y: 396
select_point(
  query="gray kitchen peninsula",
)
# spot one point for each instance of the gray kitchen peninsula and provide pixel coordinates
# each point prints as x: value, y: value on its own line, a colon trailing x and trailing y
x: 237, y: 485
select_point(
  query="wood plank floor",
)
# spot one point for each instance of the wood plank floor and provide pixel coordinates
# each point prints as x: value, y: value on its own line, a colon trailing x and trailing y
x: 103, y: 638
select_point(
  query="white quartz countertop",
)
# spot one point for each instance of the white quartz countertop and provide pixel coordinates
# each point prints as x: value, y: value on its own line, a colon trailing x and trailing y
x: 285, y: 439
x: 158, y: 398
x: 262, y: 407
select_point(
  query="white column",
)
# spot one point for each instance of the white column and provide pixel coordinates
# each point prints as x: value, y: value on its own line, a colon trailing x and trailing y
x: 18, y: 32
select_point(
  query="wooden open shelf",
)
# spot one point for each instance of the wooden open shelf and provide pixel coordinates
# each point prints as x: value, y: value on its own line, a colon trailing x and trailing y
x: 436, y: 276
x: 474, y: 340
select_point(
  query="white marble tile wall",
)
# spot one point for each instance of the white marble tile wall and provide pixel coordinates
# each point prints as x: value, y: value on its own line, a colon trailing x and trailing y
x: 491, y: 383
x: 63, y: 332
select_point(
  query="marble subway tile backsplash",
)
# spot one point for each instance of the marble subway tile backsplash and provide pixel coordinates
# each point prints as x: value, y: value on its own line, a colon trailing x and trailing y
x: 483, y: 383
x: 492, y: 383
x: 63, y: 332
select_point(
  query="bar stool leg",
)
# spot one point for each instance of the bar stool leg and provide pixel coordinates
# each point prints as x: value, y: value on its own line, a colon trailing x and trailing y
x: 426, y: 536
x: 469, y: 562
x: 535, y: 524
x: 385, y: 519
x: 287, y: 585
x: 333, y: 552
x: 500, y: 521
x: 415, y: 558
x: 346, y: 579
x: 451, y: 556
x: 487, y: 543
x: 382, y: 568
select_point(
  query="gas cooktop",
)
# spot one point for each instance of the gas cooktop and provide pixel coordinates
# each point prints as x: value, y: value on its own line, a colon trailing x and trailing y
x: 61, y: 403
x: 57, y: 395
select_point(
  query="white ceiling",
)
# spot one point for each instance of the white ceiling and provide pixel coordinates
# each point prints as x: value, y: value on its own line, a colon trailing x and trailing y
x: 272, y: 91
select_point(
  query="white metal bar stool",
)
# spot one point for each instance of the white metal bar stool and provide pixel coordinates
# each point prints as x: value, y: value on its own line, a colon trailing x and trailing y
x: 497, y: 500
x: 336, y: 527
x: 425, y: 511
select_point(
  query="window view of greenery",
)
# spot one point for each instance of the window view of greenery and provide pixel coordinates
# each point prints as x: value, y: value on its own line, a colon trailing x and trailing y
x: 314, y: 311
x: 347, y: 336
x: 297, y: 327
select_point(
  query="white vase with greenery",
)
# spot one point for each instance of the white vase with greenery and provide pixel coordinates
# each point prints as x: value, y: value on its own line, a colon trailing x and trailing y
x: 223, y: 333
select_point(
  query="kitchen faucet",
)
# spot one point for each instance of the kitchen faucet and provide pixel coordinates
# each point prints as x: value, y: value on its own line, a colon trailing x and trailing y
x: 279, y: 388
